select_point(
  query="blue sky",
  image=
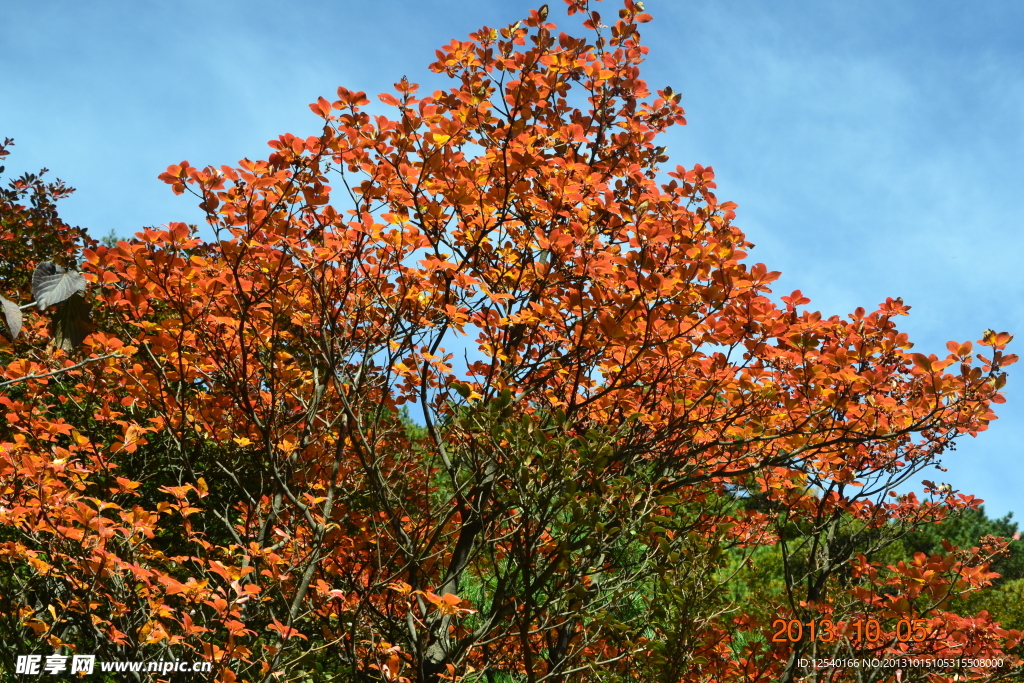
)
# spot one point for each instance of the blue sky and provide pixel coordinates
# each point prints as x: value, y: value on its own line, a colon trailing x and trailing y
x: 874, y: 148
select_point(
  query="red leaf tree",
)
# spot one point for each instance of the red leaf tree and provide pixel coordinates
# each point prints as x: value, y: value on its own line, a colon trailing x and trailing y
x: 613, y: 417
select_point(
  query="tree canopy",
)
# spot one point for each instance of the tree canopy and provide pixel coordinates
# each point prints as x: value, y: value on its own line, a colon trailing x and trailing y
x: 261, y: 450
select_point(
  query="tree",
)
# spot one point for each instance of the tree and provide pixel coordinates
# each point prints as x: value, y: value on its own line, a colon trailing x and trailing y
x: 233, y: 473
x: 31, y: 230
x: 40, y: 250
x: 969, y: 530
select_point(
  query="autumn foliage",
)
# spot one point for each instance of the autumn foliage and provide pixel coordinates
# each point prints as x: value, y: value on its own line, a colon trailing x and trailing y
x: 613, y: 417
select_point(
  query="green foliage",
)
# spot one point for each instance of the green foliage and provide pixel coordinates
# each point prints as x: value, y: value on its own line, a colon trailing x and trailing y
x: 413, y: 431
x: 1005, y: 599
x: 966, y: 530
x: 110, y: 239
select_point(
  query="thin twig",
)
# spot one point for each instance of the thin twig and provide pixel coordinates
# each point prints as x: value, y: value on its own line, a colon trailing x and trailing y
x: 61, y: 370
